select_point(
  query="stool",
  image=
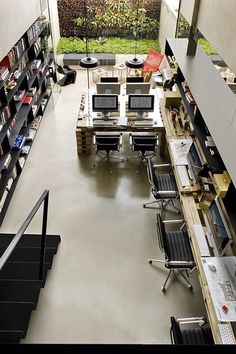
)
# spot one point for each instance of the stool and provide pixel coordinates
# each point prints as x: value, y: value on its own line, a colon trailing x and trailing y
x: 97, y: 73
x: 120, y: 69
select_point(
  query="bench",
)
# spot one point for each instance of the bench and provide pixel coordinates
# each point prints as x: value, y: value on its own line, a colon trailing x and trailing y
x: 103, y: 58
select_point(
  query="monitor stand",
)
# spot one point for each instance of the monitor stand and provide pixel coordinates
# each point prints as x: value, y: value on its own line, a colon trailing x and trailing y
x: 141, y: 115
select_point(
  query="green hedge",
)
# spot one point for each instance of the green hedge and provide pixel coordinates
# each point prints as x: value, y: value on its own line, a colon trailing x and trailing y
x: 208, y: 49
x: 111, y: 45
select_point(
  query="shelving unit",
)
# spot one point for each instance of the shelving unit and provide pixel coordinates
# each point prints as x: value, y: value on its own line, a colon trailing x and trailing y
x: 24, y: 93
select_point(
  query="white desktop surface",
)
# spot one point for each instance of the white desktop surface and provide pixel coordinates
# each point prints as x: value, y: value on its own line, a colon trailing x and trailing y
x: 224, y: 275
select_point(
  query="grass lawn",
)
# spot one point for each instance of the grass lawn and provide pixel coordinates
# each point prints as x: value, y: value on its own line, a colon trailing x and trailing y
x: 110, y: 45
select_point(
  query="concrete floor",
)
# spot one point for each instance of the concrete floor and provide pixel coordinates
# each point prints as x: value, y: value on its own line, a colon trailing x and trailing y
x: 101, y: 288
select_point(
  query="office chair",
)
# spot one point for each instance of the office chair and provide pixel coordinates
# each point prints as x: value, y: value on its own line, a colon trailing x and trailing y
x: 69, y: 75
x: 191, y: 335
x: 108, y: 143
x: 143, y: 144
x: 164, y: 188
x: 177, y: 250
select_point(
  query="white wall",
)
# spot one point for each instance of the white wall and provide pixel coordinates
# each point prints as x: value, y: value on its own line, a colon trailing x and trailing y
x: 187, y: 9
x: 54, y: 22
x: 168, y: 21
x: 216, y: 21
x: 15, y: 18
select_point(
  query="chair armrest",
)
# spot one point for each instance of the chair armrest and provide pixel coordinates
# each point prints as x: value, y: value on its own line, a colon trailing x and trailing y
x: 121, y: 139
x: 173, y: 221
x: 163, y: 165
x: 167, y: 192
x: 186, y: 320
x: 94, y: 139
x: 181, y: 263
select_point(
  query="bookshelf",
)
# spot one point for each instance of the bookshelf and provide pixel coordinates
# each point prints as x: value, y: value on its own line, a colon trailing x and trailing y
x: 25, y: 89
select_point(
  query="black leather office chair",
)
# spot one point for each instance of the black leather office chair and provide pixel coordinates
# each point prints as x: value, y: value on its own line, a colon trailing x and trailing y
x: 177, y: 250
x: 164, y: 188
x: 106, y: 143
x: 69, y: 75
x: 190, y: 334
x: 146, y: 145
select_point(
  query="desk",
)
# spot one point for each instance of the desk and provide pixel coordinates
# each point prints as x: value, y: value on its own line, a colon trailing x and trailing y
x: 85, y: 126
x: 188, y: 199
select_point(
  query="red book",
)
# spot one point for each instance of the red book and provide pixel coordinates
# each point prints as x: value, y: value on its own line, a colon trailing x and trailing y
x: 27, y: 100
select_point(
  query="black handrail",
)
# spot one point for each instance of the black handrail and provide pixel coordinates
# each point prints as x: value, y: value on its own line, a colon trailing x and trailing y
x: 44, y: 198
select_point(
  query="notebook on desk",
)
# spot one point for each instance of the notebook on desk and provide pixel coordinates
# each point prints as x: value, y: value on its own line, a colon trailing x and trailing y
x: 143, y: 123
x: 179, y: 149
x: 101, y: 122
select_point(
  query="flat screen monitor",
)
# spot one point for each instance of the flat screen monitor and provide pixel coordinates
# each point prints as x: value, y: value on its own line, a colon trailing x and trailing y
x: 219, y: 235
x: 195, y: 162
x: 137, y: 88
x: 105, y: 104
x: 109, y: 79
x: 108, y: 88
x: 141, y: 104
x: 135, y: 79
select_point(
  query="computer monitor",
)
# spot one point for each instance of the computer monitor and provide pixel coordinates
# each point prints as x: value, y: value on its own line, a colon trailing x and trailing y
x: 108, y: 88
x: 109, y: 79
x: 219, y: 235
x: 135, y: 79
x: 140, y: 104
x: 195, y: 162
x: 137, y: 88
x: 105, y: 104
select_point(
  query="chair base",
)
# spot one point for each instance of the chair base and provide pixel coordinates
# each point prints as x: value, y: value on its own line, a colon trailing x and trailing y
x: 143, y: 158
x: 163, y: 203
x: 163, y: 288
x: 107, y: 157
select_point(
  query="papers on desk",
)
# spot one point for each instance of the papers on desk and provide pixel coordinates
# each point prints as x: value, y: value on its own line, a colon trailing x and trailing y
x: 143, y: 122
x: 179, y: 149
x: 222, y: 285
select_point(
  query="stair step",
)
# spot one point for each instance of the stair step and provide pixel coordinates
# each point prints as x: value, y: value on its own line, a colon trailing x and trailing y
x: 31, y: 240
x: 20, y: 290
x: 23, y: 270
x: 29, y: 254
x: 10, y: 337
x: 15, y: 316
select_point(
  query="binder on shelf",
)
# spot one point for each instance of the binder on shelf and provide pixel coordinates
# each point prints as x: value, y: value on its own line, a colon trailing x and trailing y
x: 19, y: 142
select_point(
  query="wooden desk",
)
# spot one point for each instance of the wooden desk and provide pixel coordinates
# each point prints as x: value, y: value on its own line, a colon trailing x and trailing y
x: 191, y: 214
x: 85, y: 126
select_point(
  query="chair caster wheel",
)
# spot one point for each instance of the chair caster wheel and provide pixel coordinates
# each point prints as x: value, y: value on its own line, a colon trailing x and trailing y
x: 95, y: 165
x: 163, y: 290
x: 150, y: 261
x: 144, y: 206
x: 190, y: 287
x: 178, y: 212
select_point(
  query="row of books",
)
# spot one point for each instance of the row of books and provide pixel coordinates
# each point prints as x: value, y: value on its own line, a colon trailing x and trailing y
x: 10, y: 59
x: 34, y: 30
x: 8, y: 187
x: 37, y: 45
x: 4, y: 116
x: 3, y: 73
x: 12, y: 80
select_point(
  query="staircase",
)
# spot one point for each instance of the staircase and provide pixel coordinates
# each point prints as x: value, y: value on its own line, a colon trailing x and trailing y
x: 25, y: 260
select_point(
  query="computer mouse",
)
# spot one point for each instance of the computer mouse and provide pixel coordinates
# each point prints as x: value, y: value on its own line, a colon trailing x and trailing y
x: 211, y: 266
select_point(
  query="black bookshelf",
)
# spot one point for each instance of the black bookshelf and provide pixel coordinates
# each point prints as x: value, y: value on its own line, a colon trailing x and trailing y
x: 28, y: 58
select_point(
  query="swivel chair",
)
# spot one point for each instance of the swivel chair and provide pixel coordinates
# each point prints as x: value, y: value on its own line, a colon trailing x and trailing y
x: 177, y: 250
x: 146, y: 145
x: 106, y: 143
x: 69, y: 75
x: 164, y: 188
x: 190, y: 334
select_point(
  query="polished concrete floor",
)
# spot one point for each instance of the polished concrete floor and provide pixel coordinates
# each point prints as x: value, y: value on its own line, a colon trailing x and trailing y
x: 101, y: 288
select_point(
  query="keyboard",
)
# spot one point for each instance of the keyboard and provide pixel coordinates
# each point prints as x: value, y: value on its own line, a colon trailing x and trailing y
x: 101, y: 122
x: 201, y: 240
x: 226, y: 333
x: 142, y: 123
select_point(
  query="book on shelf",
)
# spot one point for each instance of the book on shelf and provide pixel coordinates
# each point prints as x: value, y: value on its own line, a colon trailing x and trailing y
x: 3, y: 199
x: 27, y: 99
x: 32, y: 91
x: 25, y: 149
x: 10, y: 83
x: 36, y: 122
x: 19, y: 95
x: 7, y: 161
x: 31, y: 135
x: 19, y: 142
x: 21, y: 160
x: 9, y: 184
x: 5, y: 115
x: 3, y: 73
x: 36, y: 64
